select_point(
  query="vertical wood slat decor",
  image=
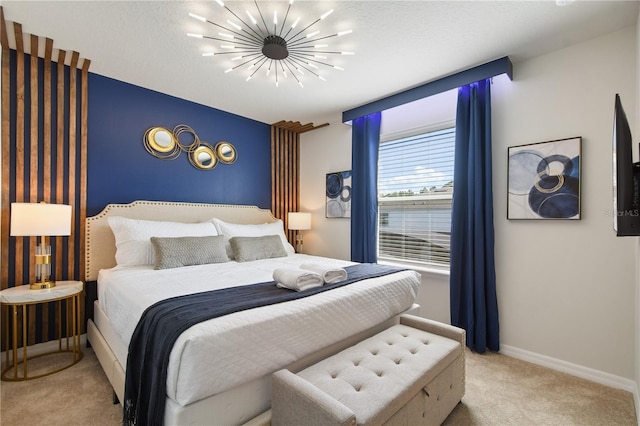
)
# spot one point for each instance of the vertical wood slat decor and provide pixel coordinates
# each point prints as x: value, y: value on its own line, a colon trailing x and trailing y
x: 44, y: 158
x: 285, y: 170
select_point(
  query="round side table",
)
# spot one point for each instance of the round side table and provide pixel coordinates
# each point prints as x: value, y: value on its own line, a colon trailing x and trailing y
x: 17, y: 299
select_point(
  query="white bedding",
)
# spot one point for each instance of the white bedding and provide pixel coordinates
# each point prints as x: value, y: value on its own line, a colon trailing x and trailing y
x: 224, y: 352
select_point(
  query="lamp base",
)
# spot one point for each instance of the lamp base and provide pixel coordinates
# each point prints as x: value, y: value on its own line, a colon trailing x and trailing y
x: 298, y: 242
x: 42, y: 285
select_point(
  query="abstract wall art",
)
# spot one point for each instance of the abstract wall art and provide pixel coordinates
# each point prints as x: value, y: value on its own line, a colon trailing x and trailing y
x: 544, y: 180
x: 339, y: 194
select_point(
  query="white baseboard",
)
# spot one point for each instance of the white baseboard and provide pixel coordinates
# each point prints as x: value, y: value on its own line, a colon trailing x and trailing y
x: 41, y: 348
x: 587, y: 373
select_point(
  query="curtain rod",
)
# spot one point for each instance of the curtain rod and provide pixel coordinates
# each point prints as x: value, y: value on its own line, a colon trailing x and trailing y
x: 480, y: 72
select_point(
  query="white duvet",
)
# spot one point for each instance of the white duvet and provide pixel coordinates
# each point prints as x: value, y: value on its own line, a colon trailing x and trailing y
x: 224, y: 352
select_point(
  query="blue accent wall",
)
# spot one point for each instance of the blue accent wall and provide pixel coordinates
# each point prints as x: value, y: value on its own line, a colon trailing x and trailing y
x: 120, y: 170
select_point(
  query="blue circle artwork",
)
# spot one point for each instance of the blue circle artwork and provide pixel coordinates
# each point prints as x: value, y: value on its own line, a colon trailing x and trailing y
x: 334, y: 185
x: 562, y: 203
x: 339, y: 194
x: 550, y: 183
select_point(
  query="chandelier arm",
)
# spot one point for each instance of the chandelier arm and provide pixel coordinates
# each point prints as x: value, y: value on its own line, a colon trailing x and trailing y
x: 263, y: 61
x: 302, y: 41
x: 242, y: 44
x: 316, y: 61
x: 304, y: 29
x: 244, y: 63
x: 248, y: 37
x: 245, y: 24
x: 286, y: 62
x: 309, y: 51
x: 285, y: 18
x: 266, y: 27
x: 303, y: 65
x: 251, y: 56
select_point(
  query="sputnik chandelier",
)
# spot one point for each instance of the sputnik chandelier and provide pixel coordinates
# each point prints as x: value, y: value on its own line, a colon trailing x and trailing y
x: 278, y: 48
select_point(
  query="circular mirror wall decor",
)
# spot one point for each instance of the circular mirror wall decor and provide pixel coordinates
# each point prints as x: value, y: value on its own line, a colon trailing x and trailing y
x: 203, y: 157
x: 225, y: 152
x: 168, y: 144
x: 161, y: 143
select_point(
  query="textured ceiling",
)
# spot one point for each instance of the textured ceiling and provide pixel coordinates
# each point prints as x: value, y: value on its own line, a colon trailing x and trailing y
x: 398, y: 45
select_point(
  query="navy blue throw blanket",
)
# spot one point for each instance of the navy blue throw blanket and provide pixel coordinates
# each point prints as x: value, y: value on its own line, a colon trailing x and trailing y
x: 162, y: 323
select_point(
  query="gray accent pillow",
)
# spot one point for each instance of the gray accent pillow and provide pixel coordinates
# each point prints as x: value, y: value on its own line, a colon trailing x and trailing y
x: 174, y: 252
x: 246, y: 249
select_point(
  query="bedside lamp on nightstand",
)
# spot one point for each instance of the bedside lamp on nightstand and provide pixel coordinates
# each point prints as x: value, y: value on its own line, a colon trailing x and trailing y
x: 41, y: 220
x: 299, y: 222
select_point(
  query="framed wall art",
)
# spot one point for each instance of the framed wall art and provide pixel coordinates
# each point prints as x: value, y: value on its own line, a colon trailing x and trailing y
x: 339, y: 194
x: 544, y: 180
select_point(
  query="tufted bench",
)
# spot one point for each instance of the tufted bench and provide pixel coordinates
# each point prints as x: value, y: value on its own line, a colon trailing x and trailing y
x: 412, y: 373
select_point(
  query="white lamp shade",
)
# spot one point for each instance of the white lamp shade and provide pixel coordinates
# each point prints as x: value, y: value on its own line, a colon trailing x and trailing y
x: 299, y: 221
x: 40, y: 219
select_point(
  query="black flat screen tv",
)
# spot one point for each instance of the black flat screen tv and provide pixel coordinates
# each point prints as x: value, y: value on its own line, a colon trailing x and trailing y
x: 626, y: 177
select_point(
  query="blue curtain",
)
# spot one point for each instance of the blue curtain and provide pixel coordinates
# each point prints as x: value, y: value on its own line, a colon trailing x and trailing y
x: 365, y: 139
x: 474, y: 305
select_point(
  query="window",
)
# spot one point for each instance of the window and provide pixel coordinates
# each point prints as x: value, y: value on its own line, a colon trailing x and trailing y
x: 415, y: 190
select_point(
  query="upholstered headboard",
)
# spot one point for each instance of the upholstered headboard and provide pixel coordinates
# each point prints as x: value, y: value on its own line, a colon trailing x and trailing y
x: 100, y: 248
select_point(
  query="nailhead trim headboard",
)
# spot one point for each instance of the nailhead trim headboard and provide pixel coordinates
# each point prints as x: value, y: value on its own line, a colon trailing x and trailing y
x: 100, y: 249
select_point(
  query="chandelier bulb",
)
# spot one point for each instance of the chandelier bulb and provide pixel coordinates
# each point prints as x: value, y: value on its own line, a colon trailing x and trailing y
x: 233, y: 24
x: 253, y: 20
x: 220, y: 2
x: 326, y: 14
x: 198, y: 17
x: 194, y: 35
x: 313, y: 34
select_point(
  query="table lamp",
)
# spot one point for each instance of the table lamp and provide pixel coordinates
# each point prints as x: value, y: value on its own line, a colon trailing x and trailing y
x: 299, y: 222
x: 41, y: 220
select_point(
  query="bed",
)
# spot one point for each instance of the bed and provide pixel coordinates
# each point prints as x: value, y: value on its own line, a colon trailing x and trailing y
x: 219, y: 370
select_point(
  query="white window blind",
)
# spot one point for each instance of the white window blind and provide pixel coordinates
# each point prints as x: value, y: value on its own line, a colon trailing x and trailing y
x: 415, y: 189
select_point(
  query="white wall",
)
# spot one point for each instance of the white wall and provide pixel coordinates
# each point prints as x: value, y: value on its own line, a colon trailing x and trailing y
x: 566, y: 289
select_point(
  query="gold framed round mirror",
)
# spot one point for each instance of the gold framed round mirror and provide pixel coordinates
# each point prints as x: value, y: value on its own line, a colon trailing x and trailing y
x: 161, y: 143
x: 203, y: 157
x: 226, y: 152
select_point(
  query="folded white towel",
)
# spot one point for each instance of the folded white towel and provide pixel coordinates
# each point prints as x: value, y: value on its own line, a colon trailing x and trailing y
x: 296, y: 279
x: 329, y: 275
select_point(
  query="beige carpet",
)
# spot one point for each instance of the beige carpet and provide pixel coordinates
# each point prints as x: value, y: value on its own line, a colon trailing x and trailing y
x: 500, y: 391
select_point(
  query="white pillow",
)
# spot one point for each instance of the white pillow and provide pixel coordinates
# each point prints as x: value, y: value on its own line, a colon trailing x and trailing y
x: 231, y: 230
x: 133, y: 237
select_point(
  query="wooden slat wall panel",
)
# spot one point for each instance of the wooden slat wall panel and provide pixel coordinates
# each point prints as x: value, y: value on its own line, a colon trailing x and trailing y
x: 60, y: 90
x: 6, y: 165
x: 47, y: 136
x: 285, y: 171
